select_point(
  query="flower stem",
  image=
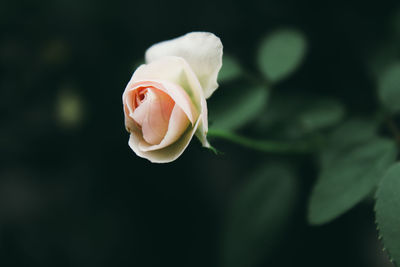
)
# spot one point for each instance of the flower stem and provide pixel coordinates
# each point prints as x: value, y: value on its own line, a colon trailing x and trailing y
x: 267, y: 146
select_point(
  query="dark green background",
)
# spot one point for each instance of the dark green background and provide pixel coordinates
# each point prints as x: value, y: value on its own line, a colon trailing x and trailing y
x: 80, y: 197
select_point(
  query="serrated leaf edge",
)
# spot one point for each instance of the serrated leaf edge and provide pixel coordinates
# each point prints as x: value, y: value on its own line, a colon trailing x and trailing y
x: 380, y: 235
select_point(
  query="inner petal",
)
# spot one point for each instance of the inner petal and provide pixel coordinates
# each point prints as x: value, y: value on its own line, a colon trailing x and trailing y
x: 140, y: 96
x: 153, y: 113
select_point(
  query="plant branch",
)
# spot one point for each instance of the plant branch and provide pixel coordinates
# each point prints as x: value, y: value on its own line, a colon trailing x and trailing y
x: 267, y: 146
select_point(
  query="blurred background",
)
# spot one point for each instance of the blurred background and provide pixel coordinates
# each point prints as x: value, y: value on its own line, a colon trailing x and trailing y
x: 72, y: 193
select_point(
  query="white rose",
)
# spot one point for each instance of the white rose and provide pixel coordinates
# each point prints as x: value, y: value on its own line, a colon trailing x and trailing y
x: 165, y: 100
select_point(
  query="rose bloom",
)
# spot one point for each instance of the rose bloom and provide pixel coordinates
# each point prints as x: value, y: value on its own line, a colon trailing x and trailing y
x: 165, y: 100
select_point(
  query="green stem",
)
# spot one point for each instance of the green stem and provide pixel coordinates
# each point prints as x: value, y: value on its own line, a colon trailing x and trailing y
x: 267, y: 146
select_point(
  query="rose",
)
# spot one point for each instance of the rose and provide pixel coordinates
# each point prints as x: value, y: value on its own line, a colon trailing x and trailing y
x: 165, y: 100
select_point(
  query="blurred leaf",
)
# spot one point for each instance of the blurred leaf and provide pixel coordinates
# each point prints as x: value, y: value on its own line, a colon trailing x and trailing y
x: 389, y: 88
x: 259, y: 216
x: 281, y: 53
x: 349, y: 178
x: 323, y: 113
x: 387, y: 211
x: 354, y: 131
x: 291, y: 116
x: 230, y: 69
x: 237, y: 107
x: 281, y: 109
x: 347, y: 135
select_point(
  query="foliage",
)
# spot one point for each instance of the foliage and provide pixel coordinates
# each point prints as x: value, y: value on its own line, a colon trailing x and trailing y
x: 352, y: 156
x: 254, y: 222
x: 389, y: 88
x: 306, y: 122
x: 387, y: 211
x: 348, y: 177
x: 281, y: 53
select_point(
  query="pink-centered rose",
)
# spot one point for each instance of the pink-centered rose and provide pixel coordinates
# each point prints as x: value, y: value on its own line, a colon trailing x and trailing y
x: 165, y: 100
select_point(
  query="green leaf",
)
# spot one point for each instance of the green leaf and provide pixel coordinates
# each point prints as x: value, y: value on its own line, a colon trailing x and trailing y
x: 281, y: 53
x: 349, y: 178
x: 354, y: 131
x: 230, y: 69
x: 292, y: 116
x: 282, y: 109
x: 347, y: 135
x: 389, y: 88
x: 259, y: 216
x: 237, y: 107
x: 322, y: 114
x: 387, y: 211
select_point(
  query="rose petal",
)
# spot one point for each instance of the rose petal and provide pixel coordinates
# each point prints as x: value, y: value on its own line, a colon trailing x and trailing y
x: 166, y: 154
x: 129, y: 123
x: 128, y: 102
x: 201, y: 132
x: 203, y: 52
x: 173, y: 69
x: 153, y: 115
x: 174, y: 91
x: 178, y: 123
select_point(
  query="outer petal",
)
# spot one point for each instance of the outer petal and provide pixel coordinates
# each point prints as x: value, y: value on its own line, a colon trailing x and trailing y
x: 178, y: 123
x: 203, y: 52
x: 166, y: 154
x: 171, y: 70
x: 129, y: 123
x: 201, y: 132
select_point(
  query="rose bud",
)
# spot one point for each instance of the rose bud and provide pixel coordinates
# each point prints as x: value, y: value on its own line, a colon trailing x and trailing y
x: 165, y: 100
